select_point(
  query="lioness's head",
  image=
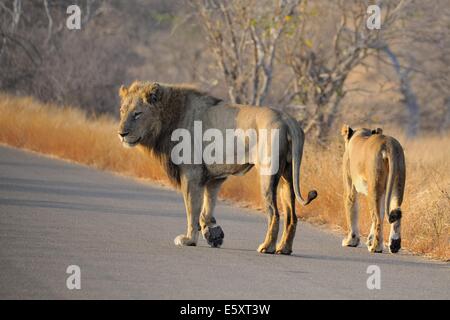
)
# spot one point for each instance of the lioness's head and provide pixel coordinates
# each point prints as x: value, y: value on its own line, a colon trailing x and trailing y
x: 140, y: 112
x: 348, y: 132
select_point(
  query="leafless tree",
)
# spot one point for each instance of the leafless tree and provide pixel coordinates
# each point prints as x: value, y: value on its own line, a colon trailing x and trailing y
x: 424, y: 58
x: 41, y: 57
x: 283, y: 53
x: 244, y: 36
x: 321, y: 65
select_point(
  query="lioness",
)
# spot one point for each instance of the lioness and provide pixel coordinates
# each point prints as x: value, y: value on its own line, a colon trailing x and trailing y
x: 149, y: 114
x: 374, y: 165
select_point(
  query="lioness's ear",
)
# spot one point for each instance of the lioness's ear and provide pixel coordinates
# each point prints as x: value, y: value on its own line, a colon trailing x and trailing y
x: 123, y: 91
x: 152, y: 94
x: 347, y: 132
x: 377, y: 131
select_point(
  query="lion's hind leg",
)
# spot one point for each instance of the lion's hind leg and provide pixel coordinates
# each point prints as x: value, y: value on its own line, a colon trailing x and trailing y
x: 212, y: 233
x: 290, y: 220
x: 269, y: 191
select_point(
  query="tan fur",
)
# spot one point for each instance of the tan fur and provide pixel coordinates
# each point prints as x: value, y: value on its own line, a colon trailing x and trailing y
x: 374, y: 165
x: 164, y: 108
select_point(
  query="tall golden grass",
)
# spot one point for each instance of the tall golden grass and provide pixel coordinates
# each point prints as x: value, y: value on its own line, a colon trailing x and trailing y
x: 68, y: 133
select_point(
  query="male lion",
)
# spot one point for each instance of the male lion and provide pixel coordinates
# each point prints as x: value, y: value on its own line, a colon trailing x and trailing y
x: 149, y: 114
x: 374, y: 165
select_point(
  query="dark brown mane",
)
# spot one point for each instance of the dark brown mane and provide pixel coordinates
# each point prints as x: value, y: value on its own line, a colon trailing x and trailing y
x: 174, y: 101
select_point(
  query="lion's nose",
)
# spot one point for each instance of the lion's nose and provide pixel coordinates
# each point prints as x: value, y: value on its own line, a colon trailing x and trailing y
x: 123, y: 134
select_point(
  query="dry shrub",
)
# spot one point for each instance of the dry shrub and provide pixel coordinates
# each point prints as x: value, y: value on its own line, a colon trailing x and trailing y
x: 67, y: 133
x: 427, y: 199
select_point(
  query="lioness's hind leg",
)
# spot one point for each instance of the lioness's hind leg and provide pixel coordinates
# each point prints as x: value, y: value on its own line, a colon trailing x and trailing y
x: 376, y: 205
x: 373, y: 227
x: 290, y: 220
x: 395, y: 239
x: 212, y: 233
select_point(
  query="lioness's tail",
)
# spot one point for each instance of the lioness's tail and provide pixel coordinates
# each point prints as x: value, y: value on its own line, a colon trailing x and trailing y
x: 396, y: 180
x: 298, y: 138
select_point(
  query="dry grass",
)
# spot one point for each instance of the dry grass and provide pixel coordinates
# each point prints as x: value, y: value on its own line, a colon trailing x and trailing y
x: 67, y: 133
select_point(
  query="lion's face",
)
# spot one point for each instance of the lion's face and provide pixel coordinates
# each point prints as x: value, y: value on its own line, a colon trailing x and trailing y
x: 139, y: 115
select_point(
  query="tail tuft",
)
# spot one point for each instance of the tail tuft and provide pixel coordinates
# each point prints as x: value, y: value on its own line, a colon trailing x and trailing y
x: 311, y: 196
x: 395, y: 215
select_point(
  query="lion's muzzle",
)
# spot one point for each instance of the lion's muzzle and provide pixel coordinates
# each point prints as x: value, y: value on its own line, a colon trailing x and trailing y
x: 123, y: 134
x: 127, y: 140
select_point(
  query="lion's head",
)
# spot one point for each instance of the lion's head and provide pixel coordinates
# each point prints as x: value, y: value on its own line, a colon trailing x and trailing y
x: 348, y: 132
x: 140, y: 112
x: 151, y: 111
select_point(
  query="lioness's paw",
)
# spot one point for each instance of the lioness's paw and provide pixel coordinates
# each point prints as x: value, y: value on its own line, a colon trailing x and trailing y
x: 375, y: 248
x: 214, y: 236
x: 263, y: 248
x: 182, y: 240
x: 350, y: 241
x: 395, y: 245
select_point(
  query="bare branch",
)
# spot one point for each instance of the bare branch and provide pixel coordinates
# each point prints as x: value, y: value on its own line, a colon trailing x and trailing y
x: 50, y: 22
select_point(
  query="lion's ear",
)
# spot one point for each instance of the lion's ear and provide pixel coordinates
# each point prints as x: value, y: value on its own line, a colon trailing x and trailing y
x: 377, y: 131
x: 347, y: 132
x: 123, y: 91
x: 152, y: 94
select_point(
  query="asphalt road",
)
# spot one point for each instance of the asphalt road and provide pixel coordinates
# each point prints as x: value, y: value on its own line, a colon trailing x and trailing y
x: 120, y: 233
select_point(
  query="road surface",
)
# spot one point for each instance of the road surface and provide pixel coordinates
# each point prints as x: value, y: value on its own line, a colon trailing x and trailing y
x: 120, y: 233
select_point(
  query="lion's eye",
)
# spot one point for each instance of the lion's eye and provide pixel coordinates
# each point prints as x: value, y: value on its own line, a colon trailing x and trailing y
x: 137, y: 115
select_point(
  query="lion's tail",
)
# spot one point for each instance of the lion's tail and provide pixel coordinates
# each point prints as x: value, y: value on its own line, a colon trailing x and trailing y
x: 395, y: 183
x: 298, y: 139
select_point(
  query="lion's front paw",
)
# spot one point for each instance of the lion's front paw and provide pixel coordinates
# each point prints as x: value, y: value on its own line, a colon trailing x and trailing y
x: 214, y: 236
x: 263, y: 248
x: 182, y: 240
x: 351, y: 240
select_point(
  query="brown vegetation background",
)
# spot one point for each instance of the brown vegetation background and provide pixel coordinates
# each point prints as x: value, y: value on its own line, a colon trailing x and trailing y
x: 315, y: 58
